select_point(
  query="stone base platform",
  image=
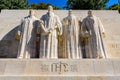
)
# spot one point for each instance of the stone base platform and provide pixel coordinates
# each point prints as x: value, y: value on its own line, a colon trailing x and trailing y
x: 61, y: 69
x: 59, y: 77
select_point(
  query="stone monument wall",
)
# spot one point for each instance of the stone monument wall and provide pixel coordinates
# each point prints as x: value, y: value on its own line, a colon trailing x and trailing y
x: 10, y: 20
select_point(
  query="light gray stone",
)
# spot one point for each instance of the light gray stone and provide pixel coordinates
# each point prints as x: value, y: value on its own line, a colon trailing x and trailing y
x: 2, y: 67
x: 43, y: 67
x: 10, y: 20
x: 14, y: 67
x: 36, y: 69
x: 84, y: 69
x: 103, y: 67
x: 60, y: 78
x: 116, y: 66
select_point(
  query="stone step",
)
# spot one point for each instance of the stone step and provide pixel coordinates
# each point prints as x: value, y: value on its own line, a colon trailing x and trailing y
x: 59, y: 77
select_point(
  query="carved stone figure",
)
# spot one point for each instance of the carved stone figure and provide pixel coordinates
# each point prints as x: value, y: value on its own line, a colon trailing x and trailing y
x: 50, y: 29
x: 93, y: 32
x: 27, y: 35
x: 71, y: 34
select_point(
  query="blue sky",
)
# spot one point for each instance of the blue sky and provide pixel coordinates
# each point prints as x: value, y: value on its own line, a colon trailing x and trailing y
x: 61, y: 3
x: 112, y: 2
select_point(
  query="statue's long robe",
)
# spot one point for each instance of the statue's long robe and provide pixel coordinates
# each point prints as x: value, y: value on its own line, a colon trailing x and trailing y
x: 71, y: 34
x: 28, y: 28
x: 94, y: 45
x: 49, y: 41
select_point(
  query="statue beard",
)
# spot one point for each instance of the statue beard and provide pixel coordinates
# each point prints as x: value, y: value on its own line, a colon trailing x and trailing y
x: 70, y: 17
x: 51, y: 14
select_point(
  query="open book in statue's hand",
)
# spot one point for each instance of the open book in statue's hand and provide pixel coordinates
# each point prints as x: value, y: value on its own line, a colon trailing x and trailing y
x: 18, y: 35
x: 87, y: 34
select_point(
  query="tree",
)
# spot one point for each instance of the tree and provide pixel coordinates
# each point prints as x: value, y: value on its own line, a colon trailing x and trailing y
x: 14, y: 4
x: 43, y: 6
x: 34, y: 6
x: 119, y: 5
x: 86, y: 4
x: 114, y: 7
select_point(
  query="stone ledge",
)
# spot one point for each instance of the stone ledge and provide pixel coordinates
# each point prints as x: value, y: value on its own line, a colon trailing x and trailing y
x: 60, y: 67
x: 59, y: 78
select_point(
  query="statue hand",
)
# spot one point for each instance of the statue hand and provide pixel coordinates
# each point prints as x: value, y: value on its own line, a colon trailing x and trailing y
x: 50, y: 30
x: 86, y: 35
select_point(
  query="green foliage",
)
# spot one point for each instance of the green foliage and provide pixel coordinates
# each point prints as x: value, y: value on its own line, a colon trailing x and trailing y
x: 86, y: 4
x: 114, y: 7
x: 43, y: 6
x: 14, y: 4
x: 119, y: 6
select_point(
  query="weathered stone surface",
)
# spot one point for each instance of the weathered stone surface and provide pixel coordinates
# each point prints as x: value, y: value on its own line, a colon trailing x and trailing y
x: 17, y: 67
x: 59, y: 78
x: 42, y: 67
x: 2, y: 66
x: 64, y: 70
x: 104, y: 67
x: 10, y: 20
x: 116, y: 66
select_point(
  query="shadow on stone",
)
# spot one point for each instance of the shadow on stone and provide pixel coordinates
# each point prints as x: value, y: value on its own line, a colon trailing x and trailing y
x: 9, y: 45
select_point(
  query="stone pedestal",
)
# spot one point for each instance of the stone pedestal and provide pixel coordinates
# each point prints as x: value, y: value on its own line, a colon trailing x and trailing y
x: 41, y: 69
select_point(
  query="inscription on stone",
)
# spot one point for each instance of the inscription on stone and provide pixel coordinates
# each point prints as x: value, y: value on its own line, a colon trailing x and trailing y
x: 114, y: 45
x: 44, y: 68
x: 59, y: 67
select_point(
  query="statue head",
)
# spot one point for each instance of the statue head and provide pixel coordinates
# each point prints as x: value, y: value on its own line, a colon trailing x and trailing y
x: 90, y: 13
x: 50, y: 8
x: 69, y: 12
x: 31, y: 13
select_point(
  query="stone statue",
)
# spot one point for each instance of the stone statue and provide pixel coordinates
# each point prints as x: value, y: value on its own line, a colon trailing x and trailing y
x: 50, y: 29
x: 71, y: 34
x: 93, y: 32
x: 27, y: 35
